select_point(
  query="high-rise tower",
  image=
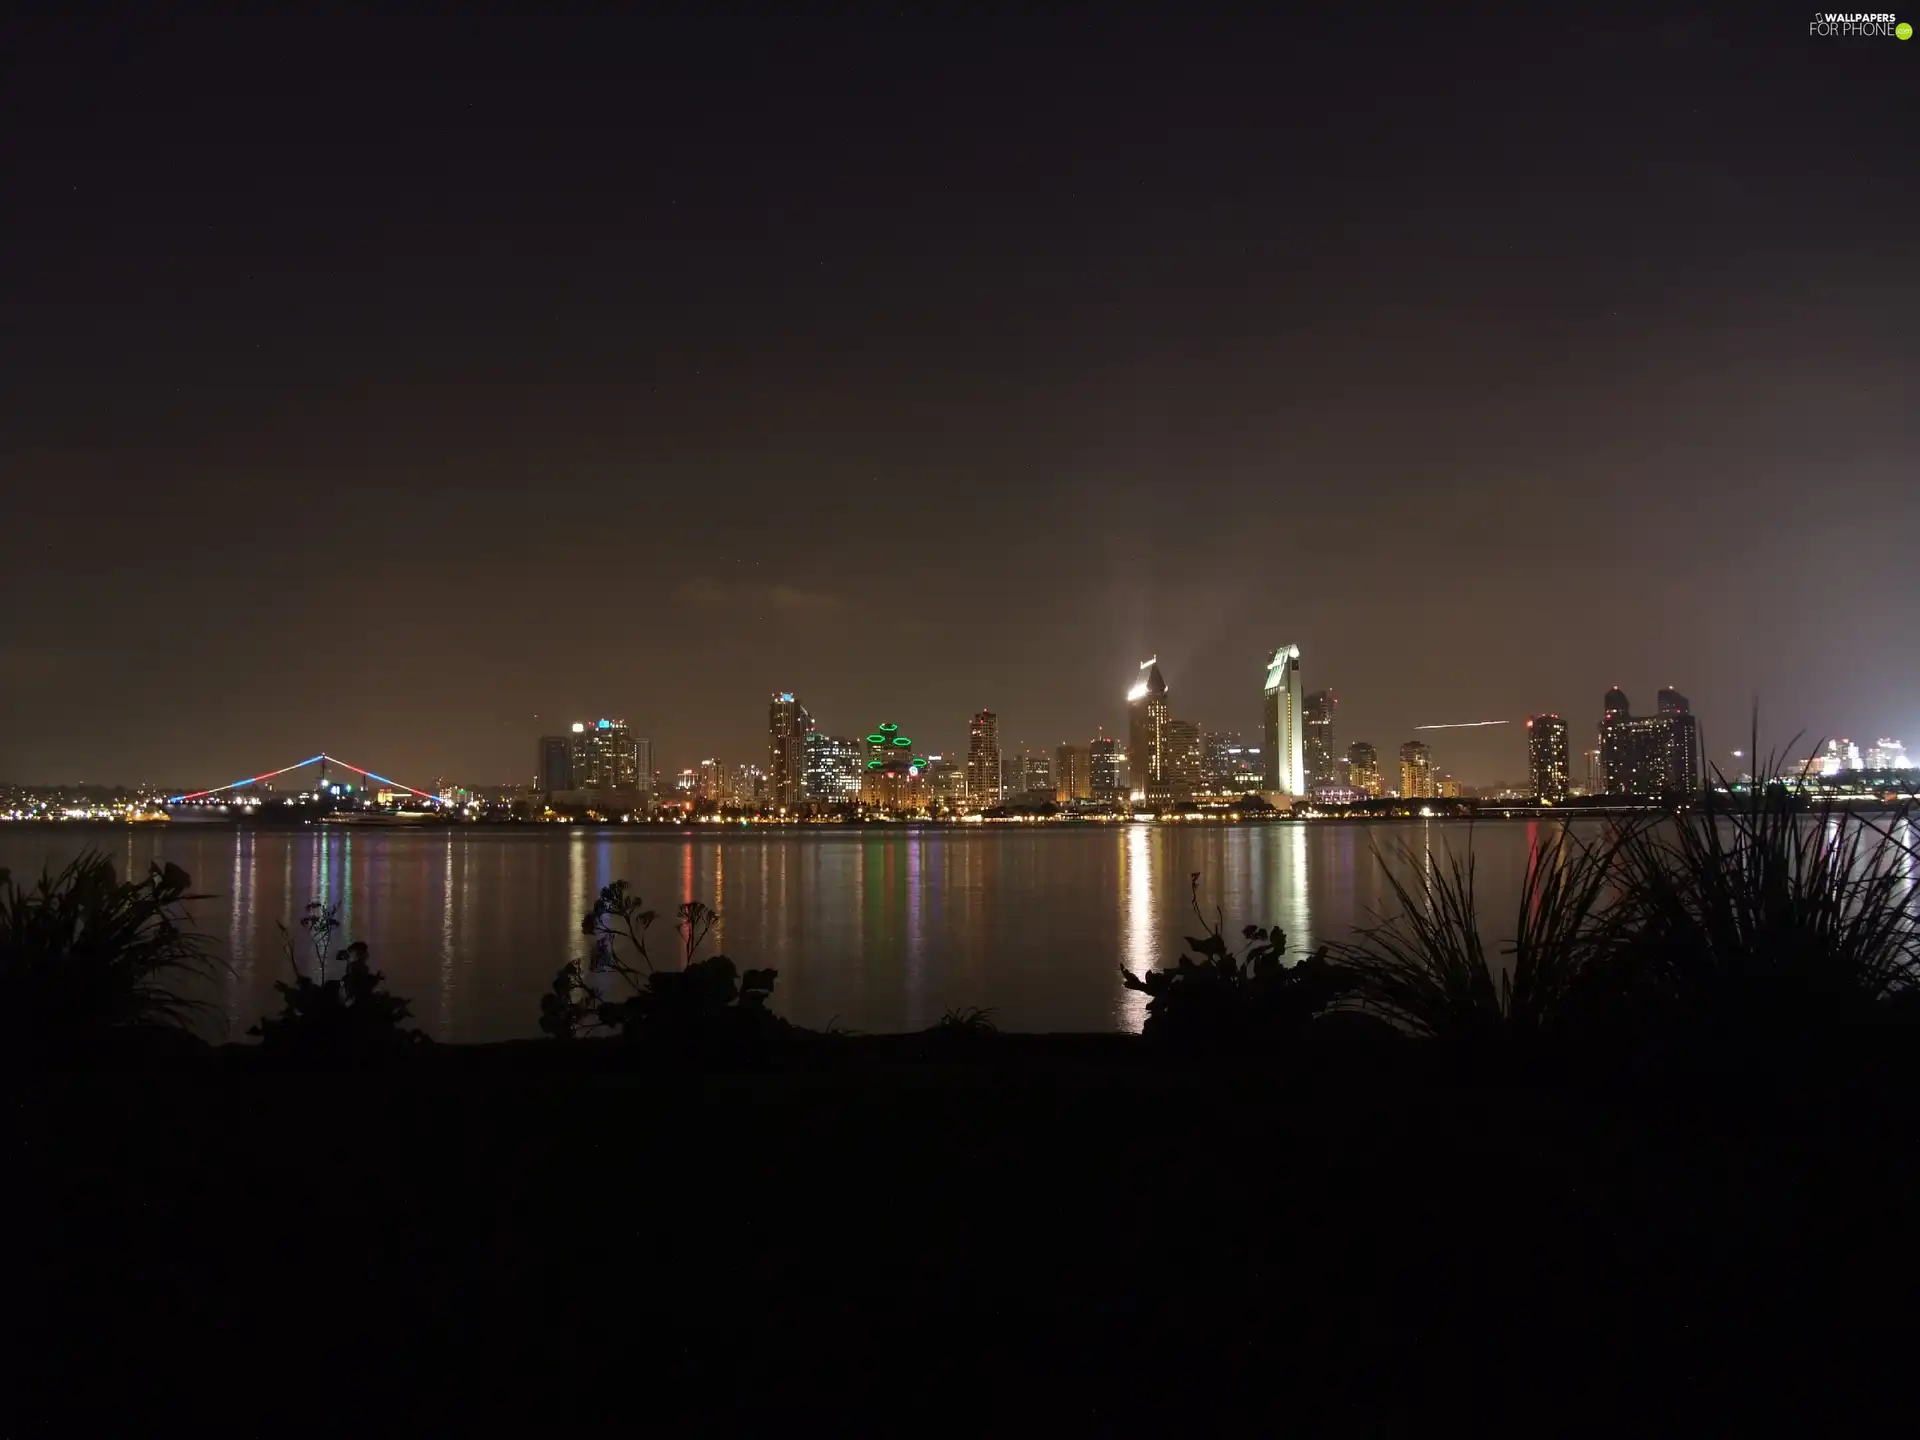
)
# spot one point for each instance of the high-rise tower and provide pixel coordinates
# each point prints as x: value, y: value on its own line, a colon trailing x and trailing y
x: 983, y: 760
x: 1285, y: 748
x: 1321, y: 758
x: 1147, y: 716
x: 1547, y: 760
x: 1416, y: 771
x: 1104, y: 762
x: 1363, y: 769
x: 787, y: 727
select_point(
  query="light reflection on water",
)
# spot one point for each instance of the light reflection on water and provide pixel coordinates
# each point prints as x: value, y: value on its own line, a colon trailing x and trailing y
x: 881, y: 930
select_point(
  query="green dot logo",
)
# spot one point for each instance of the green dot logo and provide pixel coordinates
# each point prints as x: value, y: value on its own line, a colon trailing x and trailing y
x: 1903, y: 30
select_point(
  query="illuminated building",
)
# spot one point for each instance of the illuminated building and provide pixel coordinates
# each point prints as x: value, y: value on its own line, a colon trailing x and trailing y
x: 1147, y: 716
x: 1445, y: 787
x: 1888, y: 755
x: 1322, y: 766
x: 606, y: 757
x: 983, y: 761
x: 1547, y: 761
x: 1649, y: 754
x: 1072, y: 780
x: 1285, y: 739
x: 1184, y: 757
x: 1416, y: 771
x: 946, y: 781
x: 555, y: 765
x: 710, y: 781
x: 1104, y: 761
x: 892, y: 775
x: 1363, y: 769
x: 1219, y: 749
x: 746, y: 786
x: 606, y: 769
x: 1595, y: 785
x: 833, y: 767
x: 1036, y: 774
x: 787, y: 727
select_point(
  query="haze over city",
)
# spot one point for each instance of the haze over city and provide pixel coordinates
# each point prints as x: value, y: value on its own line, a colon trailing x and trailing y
x: 411, y: 393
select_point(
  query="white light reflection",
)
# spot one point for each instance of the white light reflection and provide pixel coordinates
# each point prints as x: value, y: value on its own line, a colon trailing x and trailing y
x: 916, y: 939
x: 239, y: 902
x: 1137, y: 915
x: 1294, y: 910
x: 446, y: 941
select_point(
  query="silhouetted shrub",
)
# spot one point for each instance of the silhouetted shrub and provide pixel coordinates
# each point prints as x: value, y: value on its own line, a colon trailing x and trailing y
x: 1427, y: 968
x: 969, y: 1020
x: 706, y: 1006
x: 88, y: 961
x: 349, y: 1019
x: 1751, y: 925
x: 1224, y: 1001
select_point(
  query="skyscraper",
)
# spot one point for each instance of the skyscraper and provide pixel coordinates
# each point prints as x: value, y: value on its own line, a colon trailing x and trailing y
x: 1104, y: 758
x: 1363, y: 768
x: 1320, y: 756
x: 787, y: 727
x: 1887, y: 754
x: 1285, y: 738
x: 1650, y: 754
x: 1071, y: 777
x: 1219, y: 750
x: 1036, y: 773
x: 1547, y: 761
x: 555, y: 766
x: 833, y: 767
x: 607, y: 757
x: 1147, y: 716
x: 983, y: 760
x: 1184, y: 758
x: 1416, y: 771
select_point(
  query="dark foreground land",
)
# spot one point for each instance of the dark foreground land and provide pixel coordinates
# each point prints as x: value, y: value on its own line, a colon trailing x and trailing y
x: 1026, y: 1234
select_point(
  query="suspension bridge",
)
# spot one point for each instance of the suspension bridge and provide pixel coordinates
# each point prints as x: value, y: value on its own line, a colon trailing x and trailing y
x: 323, y: 760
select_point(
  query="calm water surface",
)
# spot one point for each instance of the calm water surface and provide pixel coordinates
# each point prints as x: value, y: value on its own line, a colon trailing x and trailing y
x: 877, y: 930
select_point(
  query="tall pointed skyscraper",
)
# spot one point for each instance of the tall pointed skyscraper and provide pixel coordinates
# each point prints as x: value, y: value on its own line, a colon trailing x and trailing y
x: 1285, y: 748
x: 1147, y: 716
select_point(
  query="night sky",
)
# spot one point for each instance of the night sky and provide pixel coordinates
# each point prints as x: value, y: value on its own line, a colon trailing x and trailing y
x: 405, y: 390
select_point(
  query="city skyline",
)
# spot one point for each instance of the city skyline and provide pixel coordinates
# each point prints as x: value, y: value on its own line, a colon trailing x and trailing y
x: 356, y: 403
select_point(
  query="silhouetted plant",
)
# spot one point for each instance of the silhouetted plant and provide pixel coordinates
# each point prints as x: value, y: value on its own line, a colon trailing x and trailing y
x: 1427, y: 968
x: 1752, y: 919
x: 971, y: 1020
x: 1226, y: 1001
x: 702, y: 1005
x: 348, y: 1019
x: 86, y: 957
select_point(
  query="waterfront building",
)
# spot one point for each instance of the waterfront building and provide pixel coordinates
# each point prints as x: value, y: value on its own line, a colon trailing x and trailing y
x: 1547, y: 767
x: 983, y: 760
x: 1147, y: 716
x: 1363, y: 769
x: 1416, y: 770
x: 1285, y: 737
x: 1072, y: 778
x: 1105, y: 763
x: 787, y: 727
x: 1322, y: 763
